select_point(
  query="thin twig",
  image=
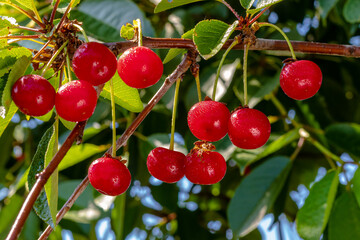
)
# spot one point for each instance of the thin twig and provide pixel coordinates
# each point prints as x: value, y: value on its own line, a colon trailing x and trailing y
x: 54, y: 12
x: 169, y: 81
x: 30, y: 29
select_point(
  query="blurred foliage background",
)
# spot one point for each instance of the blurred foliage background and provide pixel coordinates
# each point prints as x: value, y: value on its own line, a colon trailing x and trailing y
x: 156, y: 210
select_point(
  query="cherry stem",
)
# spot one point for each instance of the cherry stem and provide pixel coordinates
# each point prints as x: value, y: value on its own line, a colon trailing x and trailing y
x: 282, y: 33
x: 113, y: 116
x: 68, y: 9
x: 246, y: 50
x: 20, y: 36
x: 173, y: 119
x: 324, y: 150
x: 68, y: 65
x: 257, y: 16
x: 140, y: 39
x: 42, y: 25
x: 299, y: 146
x: 198, y: 86
x: 54, y: 57
x: 29, y: 29
x: 82, y: 32
x: 41, y: 50
x: 230, y: 8
x: 233, y: 44
x: 54, y: 12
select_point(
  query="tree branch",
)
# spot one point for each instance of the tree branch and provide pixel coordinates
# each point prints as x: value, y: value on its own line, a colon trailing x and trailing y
x: 169, y: 81
x: 260, y: 44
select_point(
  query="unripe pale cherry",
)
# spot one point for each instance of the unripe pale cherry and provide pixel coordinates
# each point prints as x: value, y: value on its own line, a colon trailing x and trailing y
x: 76, y: 101
x: 166, y: 165
x: 204, y: 166
x: 95, y: 63
x: 33, y: 95
x: 249, y: 128
x: 208, y: 120
x: 300, y: 79
x: 109, y: 176
x: 140, y: 67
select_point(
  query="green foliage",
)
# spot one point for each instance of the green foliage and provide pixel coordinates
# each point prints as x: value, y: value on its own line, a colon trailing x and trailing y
x: 125, y: 96
x: 256, y: 195
x: 127, y: 31
x: 166, y: 4
x: 352, y: 11
x: 210, y: 35
x: 326, y: 6
x: 175, y: 51
x: 260, y: 5
x: 312, y: 218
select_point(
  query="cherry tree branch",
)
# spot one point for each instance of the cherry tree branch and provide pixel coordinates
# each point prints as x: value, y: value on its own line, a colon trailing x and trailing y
x: 260, y: 44
x: 169, y: 81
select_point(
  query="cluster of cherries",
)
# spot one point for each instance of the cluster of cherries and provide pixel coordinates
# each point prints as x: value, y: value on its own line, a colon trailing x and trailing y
x: 139, y: 67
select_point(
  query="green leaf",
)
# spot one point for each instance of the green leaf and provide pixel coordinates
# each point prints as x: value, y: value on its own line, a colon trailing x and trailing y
x: 263, y: 4
x: 345, y: 218
x: 312, y: 218
x: 51, y: 186
x: 125, y: 96
x: 4, y: 30
x: 41, y: 205
x: 79, y: 153
x: 8, y: 214
x: 64, y: 4
x: 356, y: 185
x: 30, y: 4
x: 101, y: 22
x: 8, y: 57
x: 66, y: 188
x: 256, y: 194
x: 67, y: 124
x: 127, y: 31
x: 247, y: 3
x: 4, y: 122
x: 17, y: 71
x: 326, y: 6
x: 351, y: 11
x: 210, y: 35
x: 173, y: 52
x: 346, y: 136
x: 268, y: 86
x: 168, y: 4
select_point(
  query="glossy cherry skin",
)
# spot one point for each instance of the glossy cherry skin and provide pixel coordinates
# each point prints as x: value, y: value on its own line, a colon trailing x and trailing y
x: 109, y: 176
x: 33, y: 95
x: 140, y: 67
x: 76, y: 101
x: 166, y: 165
x: 249, y: 128
x: 95, y: 63
x: 204, y: 167
x: 208, y: 120
x: 300, y: 79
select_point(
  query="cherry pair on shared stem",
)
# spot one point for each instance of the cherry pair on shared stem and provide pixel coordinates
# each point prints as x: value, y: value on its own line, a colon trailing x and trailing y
x: 247, y: 128
x: 109, y: 175
x: 200, y: 166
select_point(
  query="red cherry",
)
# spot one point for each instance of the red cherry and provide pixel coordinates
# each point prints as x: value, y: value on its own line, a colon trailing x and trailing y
x: 33, y: 95
x: 300, y: 79
x: 76, y: 101
x: 93, y: 62
x: 204, y: 167
x: 249, y: 128
x: 109, y: 176
x: 208, y: 120
x: 166, y: 165
x: 140, y: 67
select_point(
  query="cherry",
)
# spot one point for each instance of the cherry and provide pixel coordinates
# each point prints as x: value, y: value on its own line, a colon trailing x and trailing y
x: 76, y: 101
x: 208, y: 120
x: 204, y: 167
x: 33, y: 95
x: 166, y: 165
x: 93, y: 62
x: 300, y: 79
x: 140, y: 67
x: 249, y: 128
x: 109, y: 176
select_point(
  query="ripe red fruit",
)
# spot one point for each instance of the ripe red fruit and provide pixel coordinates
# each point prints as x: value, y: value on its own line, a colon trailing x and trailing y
x: 300, y: 79
x: 204, y: 167
x: 249, y: 128
x: 33, y: 95
x: 93, y: 62
x: 208, y: 120
x: 109, y: 176
x: 140, y: 67
x: 76, y: 101
x: 166, y: 165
